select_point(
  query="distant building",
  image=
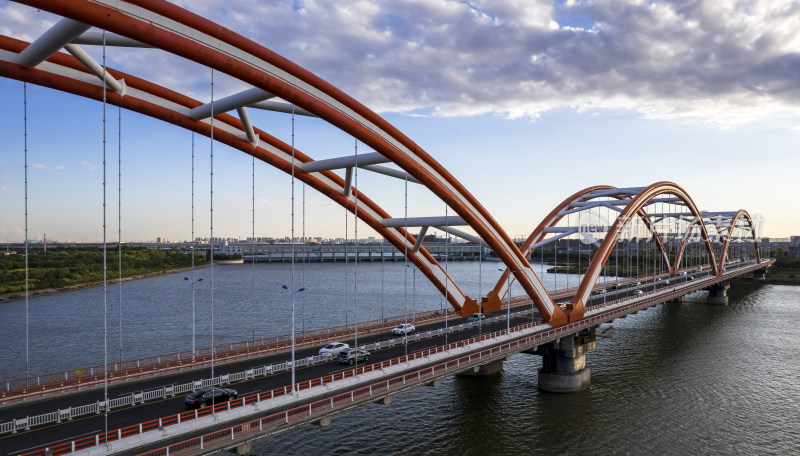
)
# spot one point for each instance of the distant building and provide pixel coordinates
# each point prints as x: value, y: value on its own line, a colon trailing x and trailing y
x: 229, y: 249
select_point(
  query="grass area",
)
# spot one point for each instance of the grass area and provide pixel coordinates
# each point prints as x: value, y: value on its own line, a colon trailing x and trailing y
x: 785, y: 271
x: 67, y: 267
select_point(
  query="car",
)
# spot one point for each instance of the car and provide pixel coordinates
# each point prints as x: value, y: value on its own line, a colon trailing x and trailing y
x: 666, y: 282
x: 682, y: 273
x: 638, y: 284
x: 209, y: 395
x: 476, y: 317
x: 333, y: 348
x: 615, y: 286
x: 638, y: 292
x: 600, y: 291
x: 352, y: 355
x: 405, y: 328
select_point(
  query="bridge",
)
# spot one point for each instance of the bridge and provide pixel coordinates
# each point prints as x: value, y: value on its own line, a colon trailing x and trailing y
x: 630, y: 248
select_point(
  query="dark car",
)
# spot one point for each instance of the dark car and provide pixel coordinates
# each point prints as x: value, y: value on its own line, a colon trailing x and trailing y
x: 205, y: 396
x: 476, y: 317
x: 351, y: 355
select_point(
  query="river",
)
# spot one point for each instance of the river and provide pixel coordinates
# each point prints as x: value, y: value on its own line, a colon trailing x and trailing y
x: 686, y: 378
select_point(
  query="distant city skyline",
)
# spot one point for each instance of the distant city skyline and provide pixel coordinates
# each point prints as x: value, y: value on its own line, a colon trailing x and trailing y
x: 525, y: 105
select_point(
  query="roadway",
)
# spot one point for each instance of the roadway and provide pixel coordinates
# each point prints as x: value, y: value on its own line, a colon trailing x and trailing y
x: 49, y: 434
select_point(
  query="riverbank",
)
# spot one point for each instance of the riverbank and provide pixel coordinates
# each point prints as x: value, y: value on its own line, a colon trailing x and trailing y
x: 17, y: 296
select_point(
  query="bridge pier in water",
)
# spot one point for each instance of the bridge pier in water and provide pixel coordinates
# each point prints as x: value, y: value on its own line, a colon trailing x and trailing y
x: 718, y: 293
x: 564, y: 362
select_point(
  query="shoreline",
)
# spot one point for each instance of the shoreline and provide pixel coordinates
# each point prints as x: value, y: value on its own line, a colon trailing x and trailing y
x: 11, y: 297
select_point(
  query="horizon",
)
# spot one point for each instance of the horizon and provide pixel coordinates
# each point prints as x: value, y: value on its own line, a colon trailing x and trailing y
x: 731, y: 144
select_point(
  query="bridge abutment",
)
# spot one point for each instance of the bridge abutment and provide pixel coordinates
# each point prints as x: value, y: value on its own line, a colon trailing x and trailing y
x: 718, y: 293
x: 564, y: 363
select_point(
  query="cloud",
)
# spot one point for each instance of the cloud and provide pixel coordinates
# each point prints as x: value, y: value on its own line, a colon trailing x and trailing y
x: 722, y: 62
x: 60, y: 167
x: 87, y: 165
x: 37, y: 165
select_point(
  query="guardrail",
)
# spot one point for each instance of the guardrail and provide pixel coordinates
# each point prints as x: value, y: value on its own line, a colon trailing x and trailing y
x: 95, y: 375
x: 141, y: 397
x: 87, y: 376
x: 400, y: 382
x: 81, y: 378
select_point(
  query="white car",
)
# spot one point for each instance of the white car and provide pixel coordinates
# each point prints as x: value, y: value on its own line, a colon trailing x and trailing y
x: 333, y: 348
x: 405, y: 328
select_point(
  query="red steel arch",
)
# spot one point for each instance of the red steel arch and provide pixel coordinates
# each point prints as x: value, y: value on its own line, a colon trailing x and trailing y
x: 741, y: 213
x: 623, y: 219
x: 538, y: 234
x: 179, y: 32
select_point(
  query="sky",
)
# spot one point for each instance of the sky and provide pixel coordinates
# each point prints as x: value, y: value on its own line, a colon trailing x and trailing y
x: 525, y: 102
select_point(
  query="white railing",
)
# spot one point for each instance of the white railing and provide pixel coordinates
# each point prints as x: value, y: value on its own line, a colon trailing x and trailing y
x: 172, y: 390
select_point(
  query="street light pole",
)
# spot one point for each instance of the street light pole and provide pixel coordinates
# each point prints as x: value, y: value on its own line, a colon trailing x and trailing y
x: 291, y: 292
x: 194, y: 349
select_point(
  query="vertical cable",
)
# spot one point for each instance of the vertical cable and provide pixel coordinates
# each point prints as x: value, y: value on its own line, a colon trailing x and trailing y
x: 119, y: 221
x: 446, y: 274
x: 294, y: 392
x: 194, y: 347
x: 405, y: 268
x: 355, y: 240
x: 383, y: 261
x: 303, y: 272
x: 211, y: 238
x: 253, y: 252
x: 346, y: 287
x: 25, y: 145
x: 105, y: 259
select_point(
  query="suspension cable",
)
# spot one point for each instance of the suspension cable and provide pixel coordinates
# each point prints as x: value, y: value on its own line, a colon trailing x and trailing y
x: 194, y: 346
x: 355, y: 240
x: 211, y: 235
x: 119, y: 221
x: 105, y: 258
x: 253, y: 252
x: 446, y: 274
x: 292, y: 290
x: 405, y: 266
x: 25, y: 146
x: 303, y: 272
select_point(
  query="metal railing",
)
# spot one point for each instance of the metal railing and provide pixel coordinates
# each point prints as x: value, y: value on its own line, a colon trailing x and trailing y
x: 166, y: 391
x: 614, y: 309
x: 22, y: 388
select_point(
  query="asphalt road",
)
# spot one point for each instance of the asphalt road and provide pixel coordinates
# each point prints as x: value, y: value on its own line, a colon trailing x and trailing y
x: 47, y: 435
x: 50, y: 434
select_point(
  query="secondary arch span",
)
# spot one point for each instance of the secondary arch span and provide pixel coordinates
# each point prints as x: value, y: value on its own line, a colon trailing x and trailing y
x: 576, y: 203
x: 638, y: 202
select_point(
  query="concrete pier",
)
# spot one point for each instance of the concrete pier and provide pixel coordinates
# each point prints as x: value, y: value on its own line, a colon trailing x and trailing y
x: 564, y: 363
x: 718, y: 294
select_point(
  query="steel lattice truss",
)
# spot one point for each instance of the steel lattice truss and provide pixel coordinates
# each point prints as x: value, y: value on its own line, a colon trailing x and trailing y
x: 161, y: 25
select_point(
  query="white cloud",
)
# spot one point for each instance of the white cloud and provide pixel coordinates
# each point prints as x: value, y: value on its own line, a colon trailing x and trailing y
x: 723, y: 61
x: 87, y: 165
x: 37, y: 165
x: 60, y: 167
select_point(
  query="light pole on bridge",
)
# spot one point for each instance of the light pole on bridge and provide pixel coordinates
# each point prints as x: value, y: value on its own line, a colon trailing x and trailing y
x: 194, y: 346
x: 292, y: 292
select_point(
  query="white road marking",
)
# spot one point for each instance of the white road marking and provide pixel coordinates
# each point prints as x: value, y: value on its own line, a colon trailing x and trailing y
x: 57, y: 441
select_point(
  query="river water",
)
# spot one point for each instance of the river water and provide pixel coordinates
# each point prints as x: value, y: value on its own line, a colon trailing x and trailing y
x: 685, y: 378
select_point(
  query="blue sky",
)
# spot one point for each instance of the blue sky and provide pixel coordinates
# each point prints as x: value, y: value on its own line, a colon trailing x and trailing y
x: 524, y: 103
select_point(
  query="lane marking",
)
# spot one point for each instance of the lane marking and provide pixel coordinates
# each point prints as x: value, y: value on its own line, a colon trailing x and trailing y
x: 57, y: 441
